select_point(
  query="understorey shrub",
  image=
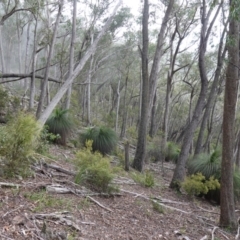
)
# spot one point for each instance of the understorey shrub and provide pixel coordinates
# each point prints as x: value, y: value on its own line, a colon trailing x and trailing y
x: 145, y: 179
x: 197, y: 184
x: 171, y: 152
x: 18, y: 142
x: 94, y: 170
x: 154, y: 152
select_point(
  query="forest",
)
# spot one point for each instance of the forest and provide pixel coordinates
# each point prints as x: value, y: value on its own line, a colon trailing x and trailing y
x: 142, y: 98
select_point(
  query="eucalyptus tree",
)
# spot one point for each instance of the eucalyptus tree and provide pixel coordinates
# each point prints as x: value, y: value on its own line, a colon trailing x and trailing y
x: 149, y: 83
x: 46, y: 113
x: 142, y: 130
x: 184, y: 24
x: 214, y: 90
x: 206, y: 29
x: 227, y: 206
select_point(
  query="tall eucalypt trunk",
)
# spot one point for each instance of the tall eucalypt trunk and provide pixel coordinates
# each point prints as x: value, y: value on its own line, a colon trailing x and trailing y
x: 71, y: 57
x: 227, y: 215
x: 179, y: 173
x: 157, y: 57
x: 142, y: 129
x: 90, y: 51
x: 212, y: 95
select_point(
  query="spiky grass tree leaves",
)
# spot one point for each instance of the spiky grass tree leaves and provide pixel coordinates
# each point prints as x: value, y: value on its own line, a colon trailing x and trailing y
x: 59, y: 123
x: 207, y: 164
x: 104, y: 139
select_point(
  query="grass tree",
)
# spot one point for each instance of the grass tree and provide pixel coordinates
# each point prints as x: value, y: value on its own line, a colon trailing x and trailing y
x: 59, y: 123
x: 104, y: 139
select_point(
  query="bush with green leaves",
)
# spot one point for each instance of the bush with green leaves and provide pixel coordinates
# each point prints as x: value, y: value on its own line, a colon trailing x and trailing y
x: 171, y: 152
x: 94, y: 170
x: 18, y: 141
x: 145, y: 179
x: 104, y: 139
x: 154, y: 152
x: 60, y: 123
x: 45, y: 139
x: 197, y: 184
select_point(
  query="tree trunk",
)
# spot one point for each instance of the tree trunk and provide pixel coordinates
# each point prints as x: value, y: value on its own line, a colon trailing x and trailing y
x: 179, y: 173
x: 71, y: 57
x: 34, y: 61
x: 46, y: 113
x: 118, y: 103
x: 212, y: 95
x: 142, y: 129
x: 45, y: 81
x: 227, y: 207
x: 158, y: 55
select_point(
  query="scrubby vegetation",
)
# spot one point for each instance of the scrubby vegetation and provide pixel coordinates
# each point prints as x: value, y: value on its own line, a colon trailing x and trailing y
x: 18, y: 141
x: 94, y: 170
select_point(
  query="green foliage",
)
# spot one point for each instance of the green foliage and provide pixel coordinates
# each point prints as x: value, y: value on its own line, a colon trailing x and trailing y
x: 172, y: 152
x: 104, y: 139
x: 207, y: 164
x: 145, y: 179
x: 132, y: 132
x: 236, y: 183
x: 94, y: 170
x: 3, y: 99
x: 43, y: 200
x: 197, y: 184
x: 18, y: 141
x: 154, y: 152
x: 158, y: 207
x: 45, y: 139
x: 59, y: 123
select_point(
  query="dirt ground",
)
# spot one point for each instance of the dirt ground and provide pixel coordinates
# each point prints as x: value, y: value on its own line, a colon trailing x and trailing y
x: 51, y: 206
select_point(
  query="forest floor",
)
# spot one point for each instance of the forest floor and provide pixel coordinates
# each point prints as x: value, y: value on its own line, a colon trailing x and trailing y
x: 51, y: 206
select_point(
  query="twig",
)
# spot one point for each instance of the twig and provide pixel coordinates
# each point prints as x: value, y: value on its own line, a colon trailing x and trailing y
x: 213, y: 231
x: 99, y: 204
x: 238, y: 231
x: 4, y: 215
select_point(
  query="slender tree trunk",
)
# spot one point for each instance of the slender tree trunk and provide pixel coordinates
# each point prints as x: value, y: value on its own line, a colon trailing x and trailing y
x: 125, y: 110
x: 227, y: 207
x: 179, y: 173
x: 153, y: 117
x: 34, y: 61
x: 71, y: 57
x: 46, y: 75
x: 2, y: 52
x: 212, y: 94
x: 142, y: 129
x: 158, y: 55
x: 118, y: 103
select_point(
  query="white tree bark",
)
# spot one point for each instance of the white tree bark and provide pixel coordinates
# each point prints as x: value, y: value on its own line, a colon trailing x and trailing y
x: 46, y: 113
x: 71, y: 58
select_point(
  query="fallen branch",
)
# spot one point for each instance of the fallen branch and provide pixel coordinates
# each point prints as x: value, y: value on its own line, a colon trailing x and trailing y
x: 4, y: 184
x: 59, y: 169
x: 157, y: 202
x: 62, y: 217
x: 99, y: 204
x: 213, y: 231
